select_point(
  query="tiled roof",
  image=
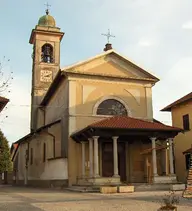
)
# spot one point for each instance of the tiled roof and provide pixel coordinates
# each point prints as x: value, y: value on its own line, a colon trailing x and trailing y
x: 3, y: 99
x: 124, y: 122
x: 3, y: 102
x: 181, y: 100
x: 188, y: 151
x: 15, y: 145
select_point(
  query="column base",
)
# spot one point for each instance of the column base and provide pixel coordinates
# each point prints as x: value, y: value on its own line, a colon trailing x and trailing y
x: 96, y: 176
x: 165, y: 179
x: 116, y: 176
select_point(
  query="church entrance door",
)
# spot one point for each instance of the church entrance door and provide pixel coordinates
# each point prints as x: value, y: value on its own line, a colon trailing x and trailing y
x: 107, y: 160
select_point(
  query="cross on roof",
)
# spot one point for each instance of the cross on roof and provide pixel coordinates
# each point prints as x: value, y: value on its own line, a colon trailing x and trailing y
x: 47, y: 5
x: 108, y: 35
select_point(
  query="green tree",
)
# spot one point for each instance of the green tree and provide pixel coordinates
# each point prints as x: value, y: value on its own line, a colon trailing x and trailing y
x: 5, y: 156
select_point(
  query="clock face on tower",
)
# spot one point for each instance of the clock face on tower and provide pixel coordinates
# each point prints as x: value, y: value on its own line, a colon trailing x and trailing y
x: 46, y: 76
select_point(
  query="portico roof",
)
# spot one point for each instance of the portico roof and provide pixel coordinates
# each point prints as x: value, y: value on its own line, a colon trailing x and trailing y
x: 124, y: 125
x: 125, y: 122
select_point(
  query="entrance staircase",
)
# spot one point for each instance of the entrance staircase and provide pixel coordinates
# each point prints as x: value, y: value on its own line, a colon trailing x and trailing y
x: 139, y: 187
x: 84, y: 189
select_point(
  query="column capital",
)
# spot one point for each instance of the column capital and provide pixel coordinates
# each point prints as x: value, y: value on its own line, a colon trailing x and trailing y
x: 153, y: 138
x: 95, y: 137
x: 90, y: 139
x: 115, y: 137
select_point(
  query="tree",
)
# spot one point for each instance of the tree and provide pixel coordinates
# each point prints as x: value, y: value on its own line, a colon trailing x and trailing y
x: 5, y: 156
x: 5, y: 76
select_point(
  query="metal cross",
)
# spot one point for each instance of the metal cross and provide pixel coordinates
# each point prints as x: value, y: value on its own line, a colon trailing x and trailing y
x: 108, y: 35
x: 47, y: 5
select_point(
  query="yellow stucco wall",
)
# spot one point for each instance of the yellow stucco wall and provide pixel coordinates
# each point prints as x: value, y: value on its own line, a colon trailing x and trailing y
x: 58, y: 104
x: 182, y: 141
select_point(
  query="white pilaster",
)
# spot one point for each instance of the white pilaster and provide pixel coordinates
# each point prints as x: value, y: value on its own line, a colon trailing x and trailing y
x: 96, y: 157
x: 115, y: 156
x: 83, y: 158
x: 90, y: 157
x: 171, y: 156
x: 148, y: 97
x: 154, y: 156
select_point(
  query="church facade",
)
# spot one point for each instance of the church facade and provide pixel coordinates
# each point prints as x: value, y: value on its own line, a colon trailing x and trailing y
x: 92, y: 122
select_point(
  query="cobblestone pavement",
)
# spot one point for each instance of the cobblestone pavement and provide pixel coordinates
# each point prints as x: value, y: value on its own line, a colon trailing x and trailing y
x: 29, y: 199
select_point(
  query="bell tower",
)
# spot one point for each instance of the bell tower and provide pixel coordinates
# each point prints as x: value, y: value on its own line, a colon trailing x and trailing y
x: 45, y: 38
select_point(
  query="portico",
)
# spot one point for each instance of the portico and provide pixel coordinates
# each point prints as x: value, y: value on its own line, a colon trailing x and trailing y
x: 113, y: 152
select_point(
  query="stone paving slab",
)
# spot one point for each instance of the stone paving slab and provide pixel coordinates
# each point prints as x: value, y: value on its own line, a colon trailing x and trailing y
x: 104, y: 206
x: 28, y: 199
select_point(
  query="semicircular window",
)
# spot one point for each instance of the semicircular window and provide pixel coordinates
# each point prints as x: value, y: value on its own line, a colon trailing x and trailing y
x: 112, y: 107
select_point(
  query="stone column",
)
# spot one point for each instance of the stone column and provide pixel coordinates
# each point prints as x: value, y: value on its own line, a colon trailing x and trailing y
x: 166, y: 159
x: 154, y: 156
x: 171, y: 156
x: 96, y: 157
x: 83, y: 158
x: 115, y: 156
x: 90, y: 157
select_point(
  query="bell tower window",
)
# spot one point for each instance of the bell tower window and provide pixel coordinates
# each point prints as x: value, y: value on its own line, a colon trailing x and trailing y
x: 47, y: 53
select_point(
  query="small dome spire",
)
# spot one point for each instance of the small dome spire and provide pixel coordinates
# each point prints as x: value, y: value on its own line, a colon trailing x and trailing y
x: 47, y: 20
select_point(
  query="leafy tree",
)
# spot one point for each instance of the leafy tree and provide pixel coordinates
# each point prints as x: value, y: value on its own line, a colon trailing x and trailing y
x: 5, y: 156
x: 5, y: 76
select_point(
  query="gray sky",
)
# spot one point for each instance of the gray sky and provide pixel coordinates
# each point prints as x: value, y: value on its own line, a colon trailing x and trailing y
x: 155, y: 34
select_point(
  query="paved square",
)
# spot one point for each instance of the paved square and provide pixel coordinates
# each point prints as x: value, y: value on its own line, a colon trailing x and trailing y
x: 31, y: 199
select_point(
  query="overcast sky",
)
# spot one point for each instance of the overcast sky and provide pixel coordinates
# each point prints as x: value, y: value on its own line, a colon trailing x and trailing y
x: 155, y: 34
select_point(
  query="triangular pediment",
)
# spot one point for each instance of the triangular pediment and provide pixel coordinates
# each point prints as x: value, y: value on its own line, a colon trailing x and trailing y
x: 110, y: 63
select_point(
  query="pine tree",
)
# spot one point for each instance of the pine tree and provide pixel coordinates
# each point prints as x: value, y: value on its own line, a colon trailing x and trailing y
x: 5, y: 156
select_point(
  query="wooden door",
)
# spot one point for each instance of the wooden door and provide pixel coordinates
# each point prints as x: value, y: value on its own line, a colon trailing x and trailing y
x: 122, y: 161
x: 107, y: 159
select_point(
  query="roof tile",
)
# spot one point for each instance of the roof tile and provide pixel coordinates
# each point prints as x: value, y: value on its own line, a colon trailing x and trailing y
x: 124, y: 122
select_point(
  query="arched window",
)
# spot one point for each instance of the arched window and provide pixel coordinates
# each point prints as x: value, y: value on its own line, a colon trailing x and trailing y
x: 47, y: 53
x: 111, y: 107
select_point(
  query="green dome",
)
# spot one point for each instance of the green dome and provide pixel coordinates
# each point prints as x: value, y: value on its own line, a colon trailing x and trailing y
x: 47, y: 20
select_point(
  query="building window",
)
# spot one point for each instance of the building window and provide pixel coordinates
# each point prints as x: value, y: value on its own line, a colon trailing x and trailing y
x: 47, y: 53
x: 44, y: 152
x: 186, y: 125
x: 112, y: 107
x: 187, y: 161
x: 31, y: 161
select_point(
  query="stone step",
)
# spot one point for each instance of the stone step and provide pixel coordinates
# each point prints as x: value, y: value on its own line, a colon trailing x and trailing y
x: 83, y: 189
x: 152, y: 187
